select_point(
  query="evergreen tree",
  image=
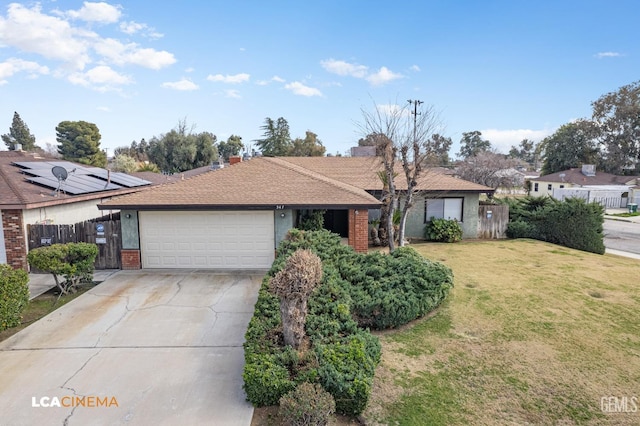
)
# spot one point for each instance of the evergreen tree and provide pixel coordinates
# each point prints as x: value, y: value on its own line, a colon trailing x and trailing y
x: 79, y: 141
x: 19, y: 134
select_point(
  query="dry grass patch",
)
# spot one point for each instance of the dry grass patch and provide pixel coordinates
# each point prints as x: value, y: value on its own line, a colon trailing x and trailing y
x: 532, y: 333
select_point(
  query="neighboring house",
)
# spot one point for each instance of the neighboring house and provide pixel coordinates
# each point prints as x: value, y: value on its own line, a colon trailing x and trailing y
x: 31, y: 194
x: 235, y: 217
x: 610, y: 190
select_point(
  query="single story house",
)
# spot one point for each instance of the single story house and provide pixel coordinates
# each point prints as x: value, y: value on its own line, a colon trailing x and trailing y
x: 234, y: 217
x: 610, y: 190
x: 31, y: 194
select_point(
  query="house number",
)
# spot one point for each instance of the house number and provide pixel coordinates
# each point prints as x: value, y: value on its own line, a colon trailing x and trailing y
x: 279, y: 206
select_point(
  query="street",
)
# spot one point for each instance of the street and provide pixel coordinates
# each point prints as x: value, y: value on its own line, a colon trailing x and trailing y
x: 624, y: 236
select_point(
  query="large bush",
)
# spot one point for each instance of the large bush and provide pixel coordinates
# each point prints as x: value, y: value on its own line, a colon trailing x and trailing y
x: 73, y: 261
x: 572, y: 223
x: 14, y: 296
x: 307, y: 405
x: 356, y: 291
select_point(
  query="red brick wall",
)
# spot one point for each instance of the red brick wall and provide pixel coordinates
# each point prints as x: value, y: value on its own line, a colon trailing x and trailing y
x: 359, y: 230
x: 14, y: 239
x: 130, y: 259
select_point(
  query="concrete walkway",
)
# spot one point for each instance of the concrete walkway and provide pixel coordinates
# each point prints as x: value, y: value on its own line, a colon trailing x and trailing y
x: 144, y: 347
x: 41, y: 283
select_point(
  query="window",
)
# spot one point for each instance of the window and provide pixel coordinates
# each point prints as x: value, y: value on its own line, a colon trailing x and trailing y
x: 561, y: 186
x: 535, y: 187
x: 549, y: 187
x: 443, y: 208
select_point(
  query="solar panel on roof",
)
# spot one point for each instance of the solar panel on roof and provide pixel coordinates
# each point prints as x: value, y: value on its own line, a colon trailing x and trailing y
x: 80, y: 179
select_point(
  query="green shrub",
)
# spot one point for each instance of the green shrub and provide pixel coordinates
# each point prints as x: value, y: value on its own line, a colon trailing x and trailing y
x: 312, y: 221
x: 265, y: 379
x: 356, y: 291
x: 14, y: 296
x: 73, y: 261
x: 443, y: 230
x: 307, y: 405
x: 572, y: 223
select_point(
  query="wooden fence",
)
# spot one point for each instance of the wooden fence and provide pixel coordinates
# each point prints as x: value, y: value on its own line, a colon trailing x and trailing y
x: 492, y: 221
x: 104, y: 233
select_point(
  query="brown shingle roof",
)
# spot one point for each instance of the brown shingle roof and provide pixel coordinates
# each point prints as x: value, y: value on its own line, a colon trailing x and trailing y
x: 363, y: 173
x: 17, y: 193
x: 576, y: 177
x: 258, y: 183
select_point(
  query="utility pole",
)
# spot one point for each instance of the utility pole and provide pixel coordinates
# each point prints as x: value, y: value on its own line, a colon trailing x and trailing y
x: 415, y: 115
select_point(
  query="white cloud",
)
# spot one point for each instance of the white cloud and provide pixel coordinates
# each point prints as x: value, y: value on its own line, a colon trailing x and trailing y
x: 101, y: 78
x: 415, y: 68
x: 502, y: 140
x: 393, y: 110
x: 184, y: 85
x: 133, y: 27
x: 275, y: 78
x: 104, y: 109
x: 189, y: 70
x: 14, y: 65
x: 278, y: 79
x: 344, y: 68
x: 31, y: 31
x: 96, y: 12
x: 231, y: 93
x: 384, y: 75
x: 601, y: 55
x: 231, y: 79
x: 131, y: 53
x: 300, y: 89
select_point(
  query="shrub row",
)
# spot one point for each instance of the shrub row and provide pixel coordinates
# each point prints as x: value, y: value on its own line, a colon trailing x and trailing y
x: 357, y: 291
x: 572, y: 223
x: 14, y: 296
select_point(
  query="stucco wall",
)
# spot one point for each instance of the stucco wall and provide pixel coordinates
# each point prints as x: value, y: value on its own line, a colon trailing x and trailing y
x: 416, y: 220
x: 283, y: 224
x: 65, y: 214
x: 543, y: 188
x: 129, y: 226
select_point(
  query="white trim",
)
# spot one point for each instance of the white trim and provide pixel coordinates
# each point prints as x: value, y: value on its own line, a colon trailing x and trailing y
x: 3, y: 250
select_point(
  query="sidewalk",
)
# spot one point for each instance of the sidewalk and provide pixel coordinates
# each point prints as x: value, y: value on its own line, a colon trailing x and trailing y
x: 610, y: 212
x: 41, y: 283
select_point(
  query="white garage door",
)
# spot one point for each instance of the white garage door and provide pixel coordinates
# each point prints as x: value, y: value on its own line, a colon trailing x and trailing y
x: 226, y: 240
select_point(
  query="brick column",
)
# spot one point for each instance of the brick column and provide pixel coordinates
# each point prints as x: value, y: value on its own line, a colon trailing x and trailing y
x: 130, y: 259
x: 359, y: 229
x: 15, y: 242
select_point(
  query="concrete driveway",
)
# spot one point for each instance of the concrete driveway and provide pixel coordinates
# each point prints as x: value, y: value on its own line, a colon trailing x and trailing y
x: 161, y: 347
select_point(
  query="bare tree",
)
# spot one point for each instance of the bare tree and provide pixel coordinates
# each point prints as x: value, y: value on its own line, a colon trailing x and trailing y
x: 403, y: 134
x: 489, y: 169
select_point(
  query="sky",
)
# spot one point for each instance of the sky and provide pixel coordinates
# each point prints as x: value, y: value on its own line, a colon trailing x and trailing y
x: 511, y: 69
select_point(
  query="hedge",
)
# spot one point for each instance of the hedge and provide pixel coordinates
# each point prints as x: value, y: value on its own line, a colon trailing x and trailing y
x: 14, y: 295
x: 573, y: 222
x: 357, y: 291
x: 73, y: 261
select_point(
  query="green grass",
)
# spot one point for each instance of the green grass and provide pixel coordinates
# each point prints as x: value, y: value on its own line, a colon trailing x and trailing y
x: 532, y: 334
x: 627, y: 214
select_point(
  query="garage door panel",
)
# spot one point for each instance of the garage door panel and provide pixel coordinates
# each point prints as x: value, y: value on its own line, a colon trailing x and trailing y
x: 207, y: 239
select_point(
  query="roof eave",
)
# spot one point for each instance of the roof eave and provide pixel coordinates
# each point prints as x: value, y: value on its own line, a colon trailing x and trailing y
x: 165, y: 207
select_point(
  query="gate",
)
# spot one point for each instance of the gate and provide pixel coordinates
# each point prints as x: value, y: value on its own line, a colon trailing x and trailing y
x: 104, y: 233
x: 492, y: 221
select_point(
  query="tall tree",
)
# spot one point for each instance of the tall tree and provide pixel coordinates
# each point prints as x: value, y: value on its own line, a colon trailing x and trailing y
x: 490, y: 169
x: 19, y: 134
x: 310, y: 146
x: 472, y: 143
x: 233, y: 146
x: 402, y: 135
x: 124, y: 163
x: 570, y: 146
x: 616, y: 116
x: 79, y: 141
x: 437, y: 150
x: 181, y: 149
x: 276, y: 140
x: 525, y: 151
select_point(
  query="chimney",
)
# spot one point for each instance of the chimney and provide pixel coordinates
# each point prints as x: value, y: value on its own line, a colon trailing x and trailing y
x: 235, y: 159
x: 17, y: 147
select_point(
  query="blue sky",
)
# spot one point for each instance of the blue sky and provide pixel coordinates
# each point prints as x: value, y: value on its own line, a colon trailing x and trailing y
x: 511, y: 69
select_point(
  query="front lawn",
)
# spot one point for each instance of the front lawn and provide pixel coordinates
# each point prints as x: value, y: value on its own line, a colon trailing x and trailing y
x: 532, y: 333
